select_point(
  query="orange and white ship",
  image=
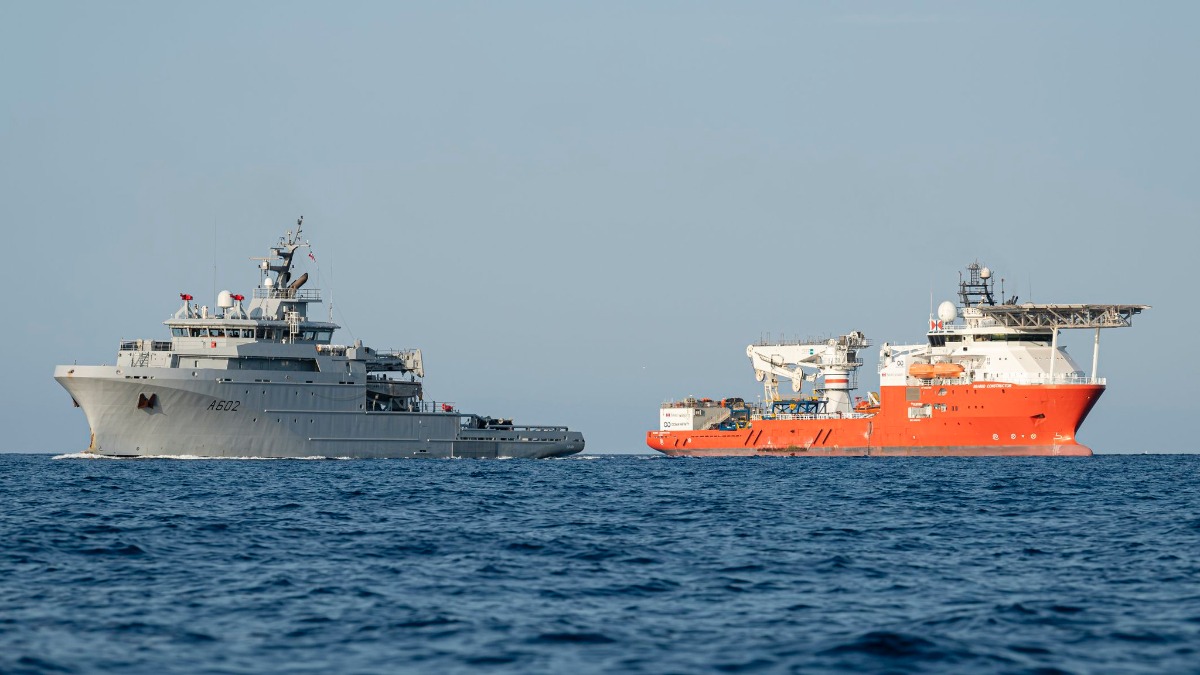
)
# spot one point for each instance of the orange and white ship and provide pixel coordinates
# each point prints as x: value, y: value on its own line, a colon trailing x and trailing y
x: 991, y: 379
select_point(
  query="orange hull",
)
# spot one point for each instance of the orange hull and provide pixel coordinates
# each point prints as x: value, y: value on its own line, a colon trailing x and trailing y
x: 971, y: 420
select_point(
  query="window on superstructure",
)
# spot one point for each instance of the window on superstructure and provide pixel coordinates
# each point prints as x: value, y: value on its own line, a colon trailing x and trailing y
x: 179, y: 332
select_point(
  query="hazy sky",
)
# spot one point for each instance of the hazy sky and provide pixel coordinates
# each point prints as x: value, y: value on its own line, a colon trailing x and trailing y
x: 580, y: 210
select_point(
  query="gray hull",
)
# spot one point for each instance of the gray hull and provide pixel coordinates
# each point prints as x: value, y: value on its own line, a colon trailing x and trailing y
x: 138, y: 412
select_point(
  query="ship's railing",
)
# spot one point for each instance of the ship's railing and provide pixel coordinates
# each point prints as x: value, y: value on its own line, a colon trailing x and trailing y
x: 1040, y: 378
x: 860, y: 342
x: 925, y: 382
x: 1008, y: 378
x: 693, y: 403
x: 519, y: 427
x: 302, y: 294
x: 145, y: 346
x: 396, y: 354
x: 809, y: 416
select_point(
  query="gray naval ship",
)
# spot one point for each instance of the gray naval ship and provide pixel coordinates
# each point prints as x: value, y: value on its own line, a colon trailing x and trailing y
x: 268, y: 381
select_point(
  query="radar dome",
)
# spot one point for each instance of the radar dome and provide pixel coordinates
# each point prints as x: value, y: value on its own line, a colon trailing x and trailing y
x: 267, y: 283
x: 947, y: 311
x: 985, y: 273
x: 224, y: 300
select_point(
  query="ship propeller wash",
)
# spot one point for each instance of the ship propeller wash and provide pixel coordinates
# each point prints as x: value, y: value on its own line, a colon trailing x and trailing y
x: 267, y: 381
x: 991, y: 379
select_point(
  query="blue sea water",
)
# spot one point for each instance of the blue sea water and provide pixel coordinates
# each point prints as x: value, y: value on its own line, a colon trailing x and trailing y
x: 604, y: 564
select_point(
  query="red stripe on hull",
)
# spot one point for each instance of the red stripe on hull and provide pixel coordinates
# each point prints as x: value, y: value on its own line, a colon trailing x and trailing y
x: 979, y: 419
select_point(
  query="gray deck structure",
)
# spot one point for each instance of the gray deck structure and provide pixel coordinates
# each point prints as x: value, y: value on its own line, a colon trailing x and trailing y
x: 269, y: 382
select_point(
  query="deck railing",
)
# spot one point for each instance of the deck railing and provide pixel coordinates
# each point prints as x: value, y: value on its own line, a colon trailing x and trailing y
x: 145, y: 346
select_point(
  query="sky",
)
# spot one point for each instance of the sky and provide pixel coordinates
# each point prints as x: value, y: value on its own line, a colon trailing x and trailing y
x: 581, y: 210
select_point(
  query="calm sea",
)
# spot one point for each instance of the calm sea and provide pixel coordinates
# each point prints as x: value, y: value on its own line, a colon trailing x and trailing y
x: 600, y: 564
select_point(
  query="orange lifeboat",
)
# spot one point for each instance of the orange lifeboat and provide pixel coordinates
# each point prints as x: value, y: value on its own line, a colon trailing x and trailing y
x: 947, y: 370
x: 922, y: 371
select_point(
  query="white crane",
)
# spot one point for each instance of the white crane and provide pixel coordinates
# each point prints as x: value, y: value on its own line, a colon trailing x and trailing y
x: 834, y: 361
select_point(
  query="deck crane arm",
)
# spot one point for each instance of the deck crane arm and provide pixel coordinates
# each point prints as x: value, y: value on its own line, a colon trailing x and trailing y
x: 770, y: 362
x: 835, y: 360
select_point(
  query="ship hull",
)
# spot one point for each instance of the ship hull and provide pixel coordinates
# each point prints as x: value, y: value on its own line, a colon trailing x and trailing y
x: 1075, y: 450
x: 972, y: 420
x: 149, y: 412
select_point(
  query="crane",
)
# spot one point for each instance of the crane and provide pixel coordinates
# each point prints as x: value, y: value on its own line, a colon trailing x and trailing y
x: 834, y: 361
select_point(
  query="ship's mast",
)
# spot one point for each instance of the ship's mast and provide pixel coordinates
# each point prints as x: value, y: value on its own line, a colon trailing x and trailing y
x: 280, y: 298
x: 976, y: 289
x: 285, y: 251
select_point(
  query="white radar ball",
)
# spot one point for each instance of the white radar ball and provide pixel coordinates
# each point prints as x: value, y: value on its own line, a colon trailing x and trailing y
x: 985, y: 273
x: 268, y: 283
x: 947, y: 312
x: 225, y: 300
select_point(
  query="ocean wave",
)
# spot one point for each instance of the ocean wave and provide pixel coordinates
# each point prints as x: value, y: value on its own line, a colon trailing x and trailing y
x: 608, y: 566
